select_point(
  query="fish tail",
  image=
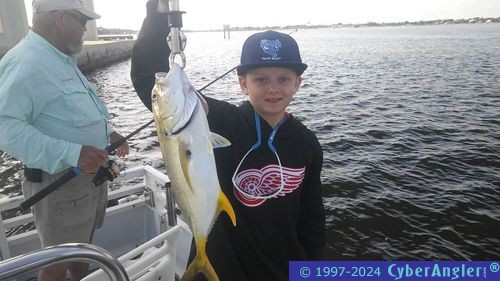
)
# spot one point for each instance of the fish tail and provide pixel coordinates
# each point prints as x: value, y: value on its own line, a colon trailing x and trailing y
x: 223, y: 204
x: 200, y: 264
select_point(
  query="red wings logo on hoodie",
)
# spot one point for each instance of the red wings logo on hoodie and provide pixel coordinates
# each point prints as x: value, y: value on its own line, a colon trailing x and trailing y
x: 265, y: 182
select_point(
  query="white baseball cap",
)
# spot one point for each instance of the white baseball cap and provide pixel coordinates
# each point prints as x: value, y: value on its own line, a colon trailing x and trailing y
x: 43, y: 6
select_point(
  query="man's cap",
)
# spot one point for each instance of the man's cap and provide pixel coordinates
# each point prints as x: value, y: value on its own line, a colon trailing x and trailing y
x: 270, y: 49
x: 43, y: 6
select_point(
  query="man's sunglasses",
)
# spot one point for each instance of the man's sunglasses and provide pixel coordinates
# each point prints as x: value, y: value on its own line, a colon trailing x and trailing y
x: 78, y: 17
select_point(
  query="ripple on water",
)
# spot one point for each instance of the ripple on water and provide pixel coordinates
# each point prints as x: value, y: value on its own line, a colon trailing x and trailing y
x: 408, y: 120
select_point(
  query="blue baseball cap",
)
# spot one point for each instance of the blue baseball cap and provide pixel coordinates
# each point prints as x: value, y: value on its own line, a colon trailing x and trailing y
x: 270, y: 49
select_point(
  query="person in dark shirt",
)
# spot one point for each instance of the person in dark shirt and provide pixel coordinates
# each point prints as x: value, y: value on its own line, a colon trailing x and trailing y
x: 271, y: 171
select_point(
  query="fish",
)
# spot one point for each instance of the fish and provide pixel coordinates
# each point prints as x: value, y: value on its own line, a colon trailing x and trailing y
x: 187, y: 145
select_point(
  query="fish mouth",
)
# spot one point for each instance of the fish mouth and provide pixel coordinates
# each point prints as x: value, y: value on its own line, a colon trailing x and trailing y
x: 167, y: 119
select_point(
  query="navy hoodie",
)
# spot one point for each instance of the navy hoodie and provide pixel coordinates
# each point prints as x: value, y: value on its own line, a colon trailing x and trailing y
x: 272, y: 231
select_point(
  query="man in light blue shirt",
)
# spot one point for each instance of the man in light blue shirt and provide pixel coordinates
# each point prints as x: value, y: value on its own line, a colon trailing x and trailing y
x: 52, y: 119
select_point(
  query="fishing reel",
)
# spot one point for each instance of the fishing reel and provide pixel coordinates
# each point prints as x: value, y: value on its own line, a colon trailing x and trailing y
x: 106, y: 173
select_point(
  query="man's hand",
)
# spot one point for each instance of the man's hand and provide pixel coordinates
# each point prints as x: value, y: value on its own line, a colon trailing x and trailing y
x: 123, y: 149
x: 91, y: 158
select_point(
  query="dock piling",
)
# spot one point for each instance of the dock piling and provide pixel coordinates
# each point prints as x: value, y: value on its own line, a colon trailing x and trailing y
x: 227, y: 28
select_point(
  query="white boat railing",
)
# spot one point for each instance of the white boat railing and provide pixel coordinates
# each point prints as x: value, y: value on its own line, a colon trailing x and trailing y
x: 141, y: 231
x: 157, y: 259
x: 33, y: 261
x: 150, y: 177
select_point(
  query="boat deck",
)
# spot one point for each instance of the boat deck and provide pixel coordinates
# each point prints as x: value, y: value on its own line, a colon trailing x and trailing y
x: 136, y: 224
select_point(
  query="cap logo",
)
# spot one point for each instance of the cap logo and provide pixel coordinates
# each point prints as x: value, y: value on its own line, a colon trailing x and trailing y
x: 270, y: 47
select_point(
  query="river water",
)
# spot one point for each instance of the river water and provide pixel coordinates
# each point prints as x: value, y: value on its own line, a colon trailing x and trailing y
x: 409, y: 121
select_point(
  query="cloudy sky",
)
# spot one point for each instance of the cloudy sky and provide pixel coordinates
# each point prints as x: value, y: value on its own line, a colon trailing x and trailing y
x: 203, y: 14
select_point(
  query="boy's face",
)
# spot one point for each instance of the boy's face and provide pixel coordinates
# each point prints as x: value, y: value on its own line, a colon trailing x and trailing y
x: 270, y: 90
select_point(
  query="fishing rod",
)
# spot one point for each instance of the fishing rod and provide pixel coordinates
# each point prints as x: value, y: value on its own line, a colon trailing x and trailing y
x: 217, y: 79
x: 229, y: 71
x: 232, y: 69
x: 103, y: 174
x: 177, y: 42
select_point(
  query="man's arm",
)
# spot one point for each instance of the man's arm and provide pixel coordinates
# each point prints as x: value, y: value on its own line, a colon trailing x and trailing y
x: 19, y: 105
x: 17, y: 136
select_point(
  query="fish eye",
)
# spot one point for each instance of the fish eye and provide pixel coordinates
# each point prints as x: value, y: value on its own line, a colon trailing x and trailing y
x: 154, y: 96
x: 188, y: 153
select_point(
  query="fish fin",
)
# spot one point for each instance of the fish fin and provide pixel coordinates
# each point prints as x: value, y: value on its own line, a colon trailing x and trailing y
x: 223, y: 204
x: 218, y: 140
x: 200, y: 263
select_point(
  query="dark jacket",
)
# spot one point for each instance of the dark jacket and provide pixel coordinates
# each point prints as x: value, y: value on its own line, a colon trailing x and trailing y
x: 269, y: 232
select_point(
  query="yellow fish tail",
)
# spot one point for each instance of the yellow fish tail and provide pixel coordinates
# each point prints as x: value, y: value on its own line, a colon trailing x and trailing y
x: 200, y: 264
x: 223, y: 204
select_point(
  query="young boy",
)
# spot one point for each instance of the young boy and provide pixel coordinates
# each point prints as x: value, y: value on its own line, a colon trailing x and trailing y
x: 271, y: 171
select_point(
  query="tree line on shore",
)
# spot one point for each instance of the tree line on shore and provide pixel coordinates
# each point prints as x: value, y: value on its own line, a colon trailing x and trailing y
x: 107, y: 31
x: 369, y: 24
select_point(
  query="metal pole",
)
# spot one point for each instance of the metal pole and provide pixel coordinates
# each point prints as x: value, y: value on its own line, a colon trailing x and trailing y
x: 171, y: 215
x: 13, y: 267
x: 176, y: 39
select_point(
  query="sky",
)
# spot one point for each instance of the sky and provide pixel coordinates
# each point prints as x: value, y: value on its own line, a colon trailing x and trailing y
x: 205, y: 14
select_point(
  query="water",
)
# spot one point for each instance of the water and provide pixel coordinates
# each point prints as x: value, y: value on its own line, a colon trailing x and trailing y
x: 408, y: 118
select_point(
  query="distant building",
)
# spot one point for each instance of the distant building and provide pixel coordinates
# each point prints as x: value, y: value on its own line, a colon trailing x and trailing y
x: 13, y: 24
x: 91, y: 33
x: 227, y: 28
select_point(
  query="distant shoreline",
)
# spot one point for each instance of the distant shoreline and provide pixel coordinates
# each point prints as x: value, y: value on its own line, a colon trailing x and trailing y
x: 476, y: 20
x: 368, y: 24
